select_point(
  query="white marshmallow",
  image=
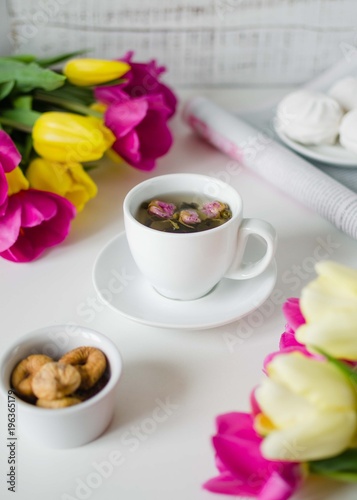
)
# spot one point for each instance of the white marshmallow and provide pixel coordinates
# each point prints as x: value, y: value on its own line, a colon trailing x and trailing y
x: 345, y: 92
x: 348, y: 131
x: 309, y: 117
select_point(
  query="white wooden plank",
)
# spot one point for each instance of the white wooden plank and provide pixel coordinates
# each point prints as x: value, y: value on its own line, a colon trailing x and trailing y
x: 217, y: 42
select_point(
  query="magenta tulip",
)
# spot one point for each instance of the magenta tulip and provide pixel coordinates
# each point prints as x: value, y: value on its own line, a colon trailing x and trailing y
x: 143, y: 79
x: 33, y: 221
x: 243, y: 469
x: 139, y: 125
x: 9, y: 159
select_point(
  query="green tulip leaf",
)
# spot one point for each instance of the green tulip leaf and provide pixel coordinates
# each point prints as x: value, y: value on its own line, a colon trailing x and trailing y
x: 342, y: 467
x: 29, y: 76
x: 22, y: 116
x: 23, y: 102
x: 350, y: 373
x: 27, y: 150
x: 25, y: 58
x: 6, y: 88
x: 49, y: 61
x: 69, y: 92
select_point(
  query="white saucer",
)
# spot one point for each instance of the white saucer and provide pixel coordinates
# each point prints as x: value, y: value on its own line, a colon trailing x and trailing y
x: 120, y: 285
x: 332, y: 154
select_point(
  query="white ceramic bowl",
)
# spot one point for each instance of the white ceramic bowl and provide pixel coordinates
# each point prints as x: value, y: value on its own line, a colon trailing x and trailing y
x: 75, y: 425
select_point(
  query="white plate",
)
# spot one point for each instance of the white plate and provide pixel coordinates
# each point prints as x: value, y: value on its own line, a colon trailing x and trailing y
x: 120, y: 285
x: 333, y: 155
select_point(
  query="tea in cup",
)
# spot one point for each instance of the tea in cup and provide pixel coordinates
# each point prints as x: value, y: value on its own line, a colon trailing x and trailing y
x: 186, y: 232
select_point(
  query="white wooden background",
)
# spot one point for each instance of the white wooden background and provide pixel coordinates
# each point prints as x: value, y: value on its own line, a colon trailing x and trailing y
x: 203, y: 42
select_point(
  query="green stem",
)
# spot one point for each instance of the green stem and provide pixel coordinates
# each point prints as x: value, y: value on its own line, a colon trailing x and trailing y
x: 70, y: 105
x: 12, y: 123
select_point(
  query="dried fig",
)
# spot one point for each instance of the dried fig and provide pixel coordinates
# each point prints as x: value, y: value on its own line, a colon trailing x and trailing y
x: 58, y: 403
x: 25, y: 370
x: 90, y: 363
x: 55, y: 380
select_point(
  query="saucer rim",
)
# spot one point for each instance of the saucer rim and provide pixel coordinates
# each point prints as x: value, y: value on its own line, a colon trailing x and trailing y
x: 174, y: 326
x: 307, y: 152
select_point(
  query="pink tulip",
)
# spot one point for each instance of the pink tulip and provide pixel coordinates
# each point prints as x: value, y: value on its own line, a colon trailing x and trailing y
x: 33, y: 221
x: 292, y: 312
x: 243, y: 469
x: 9, y: 159
x: 288, y: 342
x: 143, y: 79
x: 139, y: 125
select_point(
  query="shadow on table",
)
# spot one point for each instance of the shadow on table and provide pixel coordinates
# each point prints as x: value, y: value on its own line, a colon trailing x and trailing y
x: 147, y: 395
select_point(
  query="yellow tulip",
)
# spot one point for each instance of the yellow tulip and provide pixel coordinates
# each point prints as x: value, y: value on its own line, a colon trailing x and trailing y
x: 67, y: 180
x: 329, y: 305
x: 309, y: 408
x: 16, y: 181
x: 84, y: 72
x: 68, y: 137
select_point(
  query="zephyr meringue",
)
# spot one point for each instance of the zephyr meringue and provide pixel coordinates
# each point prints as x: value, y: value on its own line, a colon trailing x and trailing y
x: 344, y: 91
x: 348, y: 131
x: 309, y: 117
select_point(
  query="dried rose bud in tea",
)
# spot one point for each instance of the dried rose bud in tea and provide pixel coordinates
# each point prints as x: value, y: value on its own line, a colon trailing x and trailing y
x: 174, y: 214
x: 216, y: 209
x: 161, y: 209
x: 189, y: 217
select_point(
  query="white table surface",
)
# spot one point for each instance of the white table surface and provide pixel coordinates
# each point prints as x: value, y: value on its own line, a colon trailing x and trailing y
x: 199, y: 372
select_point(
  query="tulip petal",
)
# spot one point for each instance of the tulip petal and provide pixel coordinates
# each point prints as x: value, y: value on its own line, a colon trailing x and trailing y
x: 335, y: 334
x: 10, y: 224
x: 243, y: 469
x: 282, y: 406
x: 67, y: 137
x: 322, y: 435
x: 334, y: 289
x: 67, y: 180
x: 145, y: 164
x: 289, y: 340
x: 111, y: 94
x: 9, y: 155
x: 278, y: 487
x: 227, y: 484
x: 319, y: 381
x: 235, y: 423
x: 242, y: 465
x: 89, y: 71
x: 337, y: 273
x: 48, y: 176
x: 142, y: 79
x: 293, y: 314
x: 36, y: 208
x: 16, y: 181
x: 121, y: 118
x: 155, y: 136
x: 3, y: 189
x: 32, y: 241
x: 128, y: 147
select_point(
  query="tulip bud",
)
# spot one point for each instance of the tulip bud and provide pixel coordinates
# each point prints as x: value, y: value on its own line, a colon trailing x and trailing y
x: 16, y: 181
x: 67, y: 180
x: 67, y: 137
x: 86, y: 72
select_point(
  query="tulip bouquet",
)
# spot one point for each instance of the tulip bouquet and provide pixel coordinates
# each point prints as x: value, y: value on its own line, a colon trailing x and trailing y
x: 55, y: 124
x: 303, y: 417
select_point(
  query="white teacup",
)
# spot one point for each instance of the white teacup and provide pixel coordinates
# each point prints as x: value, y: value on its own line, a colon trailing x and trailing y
x: 187, y: 266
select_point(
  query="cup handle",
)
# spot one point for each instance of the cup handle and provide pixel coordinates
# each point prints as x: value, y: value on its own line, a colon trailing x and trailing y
x: 241, y: 271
